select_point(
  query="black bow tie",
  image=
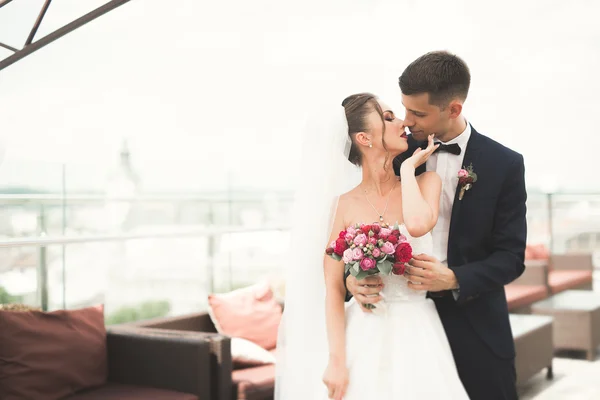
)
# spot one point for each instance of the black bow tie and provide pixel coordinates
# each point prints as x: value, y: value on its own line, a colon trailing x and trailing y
x: 450, y: 148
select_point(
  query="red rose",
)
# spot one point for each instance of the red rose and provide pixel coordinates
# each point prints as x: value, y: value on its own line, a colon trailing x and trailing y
x: 392, y: 239
x: 365, y: 229
x: 376, y: 229
x: 342, y: 235
x: 464, y: 181
x: 399, y: 268
x: 403, y: 253
x: 395, y: 232
x: 340, y: 247
x: 329, y: 251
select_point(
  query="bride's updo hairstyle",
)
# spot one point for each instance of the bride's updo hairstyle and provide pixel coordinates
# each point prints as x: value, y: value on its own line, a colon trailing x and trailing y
x: 358, y: 107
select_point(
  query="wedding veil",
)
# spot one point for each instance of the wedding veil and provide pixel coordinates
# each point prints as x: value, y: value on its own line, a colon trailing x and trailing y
x: 302, y: 348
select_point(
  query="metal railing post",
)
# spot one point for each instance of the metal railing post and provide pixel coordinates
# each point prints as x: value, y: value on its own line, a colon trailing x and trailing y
x: 550, y: 227
x: 42, y: 281
x: 212, y: 251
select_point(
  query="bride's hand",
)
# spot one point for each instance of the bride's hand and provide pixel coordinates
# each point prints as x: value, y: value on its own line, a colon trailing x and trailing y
x: 420, y: 156
x: 336, y: 380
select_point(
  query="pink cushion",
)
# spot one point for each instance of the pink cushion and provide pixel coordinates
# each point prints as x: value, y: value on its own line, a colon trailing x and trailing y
x: 523, y: 295
x: 250, y: 313
x: 536, y: 252
x: 568, y: 279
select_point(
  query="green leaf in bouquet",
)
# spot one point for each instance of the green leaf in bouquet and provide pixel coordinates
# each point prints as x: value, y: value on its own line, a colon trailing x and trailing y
x: 396, y: 226
x: 385, y: 267
x: 383, y: 259
x: 335, y: 257
x: 362, y: 275
x: 355, y: 267
x: 350, y: 266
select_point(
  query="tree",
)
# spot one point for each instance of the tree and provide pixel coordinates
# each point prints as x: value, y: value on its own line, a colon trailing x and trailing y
x: 7, y: 298
x: 146, y: 310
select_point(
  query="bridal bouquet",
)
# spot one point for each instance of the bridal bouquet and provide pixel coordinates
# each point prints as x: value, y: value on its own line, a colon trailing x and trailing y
x: 371, y: 249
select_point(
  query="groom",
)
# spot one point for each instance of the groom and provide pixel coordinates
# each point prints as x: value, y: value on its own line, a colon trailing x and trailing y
x: 479, y: 240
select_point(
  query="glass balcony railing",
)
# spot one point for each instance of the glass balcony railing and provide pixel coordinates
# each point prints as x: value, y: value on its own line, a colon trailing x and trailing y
x: 145, y: 256
x: 565, y: 221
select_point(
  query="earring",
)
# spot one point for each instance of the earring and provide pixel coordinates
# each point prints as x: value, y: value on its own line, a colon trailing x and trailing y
x: 370, y: 144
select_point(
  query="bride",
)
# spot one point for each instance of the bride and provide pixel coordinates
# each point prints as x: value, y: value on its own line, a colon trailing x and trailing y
x: 329, y: 349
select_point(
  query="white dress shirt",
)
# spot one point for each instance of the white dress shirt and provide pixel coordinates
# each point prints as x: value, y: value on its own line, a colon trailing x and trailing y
x: 447, y: 166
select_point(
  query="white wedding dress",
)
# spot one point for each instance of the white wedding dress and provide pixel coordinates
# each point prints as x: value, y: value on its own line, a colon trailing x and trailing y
x: 401, y: 353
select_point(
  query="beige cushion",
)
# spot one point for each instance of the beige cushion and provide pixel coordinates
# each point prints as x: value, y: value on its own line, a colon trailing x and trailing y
x: 245, y: 353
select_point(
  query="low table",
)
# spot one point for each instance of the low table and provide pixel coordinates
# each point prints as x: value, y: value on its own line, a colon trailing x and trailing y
x: 533, y: 345
x: 576, y: 320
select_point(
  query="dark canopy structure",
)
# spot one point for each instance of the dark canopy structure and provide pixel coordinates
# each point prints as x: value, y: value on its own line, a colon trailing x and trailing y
x: 31, y: 45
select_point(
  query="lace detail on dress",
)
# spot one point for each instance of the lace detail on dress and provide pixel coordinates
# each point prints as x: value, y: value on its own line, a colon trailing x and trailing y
x: 396, y: 286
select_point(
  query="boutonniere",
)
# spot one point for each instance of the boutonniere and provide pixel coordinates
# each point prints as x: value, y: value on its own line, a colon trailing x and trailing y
x: 466, y: 179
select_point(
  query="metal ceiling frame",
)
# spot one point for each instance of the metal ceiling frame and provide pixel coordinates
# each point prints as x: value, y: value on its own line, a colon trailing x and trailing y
x: 30, y: 46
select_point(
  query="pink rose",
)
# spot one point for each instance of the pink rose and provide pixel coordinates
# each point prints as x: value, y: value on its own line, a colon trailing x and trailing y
x: 349, y: 237
x: 384, y: 233
x: 402, y: 239
x: 373, y: 241
x: 360, y: 240
x: 388, y: 248
x: 367, y: 264
x: 376, y: 252
x: 463, y: 173
x: 348, y: 256
x: 357, y: 254
x: 351, y: 230
x: 332, y: 244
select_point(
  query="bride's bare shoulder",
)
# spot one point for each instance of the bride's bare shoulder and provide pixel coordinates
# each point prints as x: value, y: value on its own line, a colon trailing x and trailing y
x: 350, y: 197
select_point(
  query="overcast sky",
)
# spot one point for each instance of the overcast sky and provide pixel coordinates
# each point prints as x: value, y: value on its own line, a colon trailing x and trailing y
x: 207, y: 91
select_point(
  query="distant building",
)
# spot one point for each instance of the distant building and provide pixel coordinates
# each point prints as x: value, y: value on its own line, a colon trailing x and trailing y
x: 123, y: 182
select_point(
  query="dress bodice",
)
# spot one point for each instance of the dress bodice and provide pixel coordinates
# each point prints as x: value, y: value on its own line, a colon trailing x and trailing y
x: 396, y: 286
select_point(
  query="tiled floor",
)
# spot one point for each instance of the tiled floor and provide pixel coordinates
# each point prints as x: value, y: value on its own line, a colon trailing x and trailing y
x: 575, y: 379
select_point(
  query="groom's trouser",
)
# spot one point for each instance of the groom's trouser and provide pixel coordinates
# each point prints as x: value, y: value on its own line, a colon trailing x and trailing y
x: 484, y: 375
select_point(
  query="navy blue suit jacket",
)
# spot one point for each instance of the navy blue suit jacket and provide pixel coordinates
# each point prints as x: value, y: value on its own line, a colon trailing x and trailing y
x: 486, y: 246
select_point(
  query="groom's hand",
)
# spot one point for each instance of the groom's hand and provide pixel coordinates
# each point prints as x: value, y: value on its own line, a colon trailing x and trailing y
x: 365, y: 291
x: 425, y: 272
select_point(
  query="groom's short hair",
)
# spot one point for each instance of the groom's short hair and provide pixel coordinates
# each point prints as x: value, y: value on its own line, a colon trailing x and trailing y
x: 443, y: 75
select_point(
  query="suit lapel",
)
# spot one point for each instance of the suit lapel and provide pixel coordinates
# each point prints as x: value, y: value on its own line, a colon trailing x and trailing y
x: 471, y: 155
